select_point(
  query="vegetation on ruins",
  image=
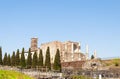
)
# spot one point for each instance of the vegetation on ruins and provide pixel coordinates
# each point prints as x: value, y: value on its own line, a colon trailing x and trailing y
x: 0, y: 55
x: 13, y: 59
x: 17, y: 58
x: 5, y: 59
x: 47, y: 60
x: 40, y: 60
x: 29, y: 59
x: 22, y: 61
x: 57, y: 63
x: 35, y: 60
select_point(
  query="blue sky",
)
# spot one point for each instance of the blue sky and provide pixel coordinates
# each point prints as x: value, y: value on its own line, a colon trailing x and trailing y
x: 92, y: 22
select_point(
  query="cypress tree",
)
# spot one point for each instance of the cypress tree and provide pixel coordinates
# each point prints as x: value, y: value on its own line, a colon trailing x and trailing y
x: 17, y: 58
x: 8, y: 60
x: 5, y: 59
x: 47, y: 60
x: 1, y: 56
x: 40, y: 61
x: 92, y: 57
x: 35, y: 60
x: 22, y: 61
x: 13, y: 59
x: 29, y: 59
x: 57, y: 62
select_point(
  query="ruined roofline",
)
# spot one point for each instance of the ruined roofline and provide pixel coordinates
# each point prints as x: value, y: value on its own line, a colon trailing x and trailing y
x: 34, y: 38
x: 51, y: 42
x: 60, y: 42
x: 70, y: 41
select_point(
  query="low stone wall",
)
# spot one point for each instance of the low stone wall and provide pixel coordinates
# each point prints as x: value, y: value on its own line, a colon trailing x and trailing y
x: 73, y: 65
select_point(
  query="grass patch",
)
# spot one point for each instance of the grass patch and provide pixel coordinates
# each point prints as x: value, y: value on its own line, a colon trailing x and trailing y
x: 112, y: 62
x: 116, y: 62
x: 82, y: 77
x: 4, y: 74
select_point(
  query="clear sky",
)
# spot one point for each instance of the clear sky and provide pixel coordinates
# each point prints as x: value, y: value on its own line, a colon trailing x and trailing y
x: 92, y: 22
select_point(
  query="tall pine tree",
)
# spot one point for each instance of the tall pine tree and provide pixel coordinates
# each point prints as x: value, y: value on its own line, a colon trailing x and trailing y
x: 57, y: 62
x: 29, y: 59
x: 47, y: 60
x: 8, y: 60
x: 22, y: 61
x: 5, y: 59
x: 17, y: 58
x: 35, y: 60
x: 13, y: 59
x: 92, y: 57
x: 1, y: 56
x: 40, y: 60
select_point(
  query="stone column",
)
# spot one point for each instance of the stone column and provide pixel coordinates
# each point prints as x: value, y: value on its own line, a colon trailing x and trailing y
x: 87, y: 55
x: 72, y: 51
x: 79, y: 47
x: 95, y: 54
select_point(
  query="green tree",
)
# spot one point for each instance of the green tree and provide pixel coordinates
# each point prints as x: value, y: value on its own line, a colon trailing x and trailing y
x: 5, y: 59
x: 47, y: 60
x: 40, y: 60
x: 116, y: 64
x: 57, y: 62
x: 35, y: 60
x: 1, y: 56
x: 22, y: 61
x: 17, y: 58
x: 29, y: 59
x: 8, y: 60
x: 13, y: 59
x: 92, y: 57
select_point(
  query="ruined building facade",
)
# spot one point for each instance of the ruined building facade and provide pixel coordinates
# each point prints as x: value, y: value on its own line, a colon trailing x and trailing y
x: 69, y: 50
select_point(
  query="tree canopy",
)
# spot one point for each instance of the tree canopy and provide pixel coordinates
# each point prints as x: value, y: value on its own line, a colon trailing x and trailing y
x: 17, y: 58
x: 35, y: 60
x: 47, y: 60
x: 5, y: 59
x: 29, y: 59
x: 40, y: 60
x: 1, y: 56
x: 22, y: 61
x: 57, y: 62
x: 13, y: 60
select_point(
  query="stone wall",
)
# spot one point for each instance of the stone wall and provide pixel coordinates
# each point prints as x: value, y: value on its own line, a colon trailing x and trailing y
x: 68, y: 57
x: 73, y: 65
x: 69, y: 51
x: 53, y: 48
